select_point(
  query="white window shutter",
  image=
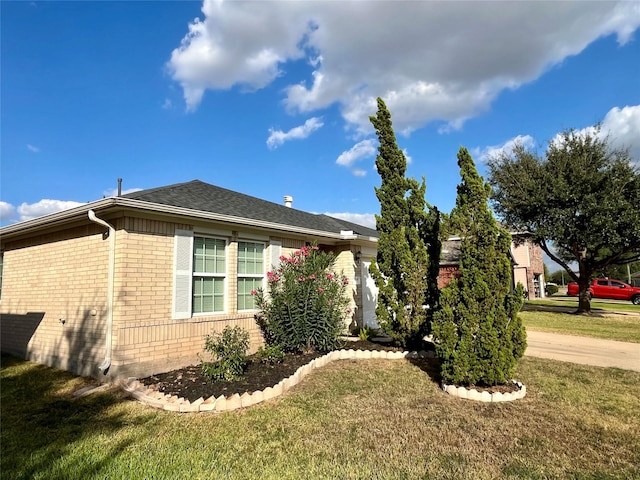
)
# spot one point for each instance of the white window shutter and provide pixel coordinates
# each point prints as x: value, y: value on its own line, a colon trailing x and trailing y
x: 182, y: 273
x: 275, y: 250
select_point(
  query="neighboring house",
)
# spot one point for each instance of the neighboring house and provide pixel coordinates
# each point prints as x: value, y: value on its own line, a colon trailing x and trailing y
x: 635, y: 279
x: 130, y: 285
x: 528, y: 267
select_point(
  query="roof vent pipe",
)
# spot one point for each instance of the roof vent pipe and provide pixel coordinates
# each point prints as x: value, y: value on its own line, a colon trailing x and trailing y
x: 288, y: 201
x: 119, y: 187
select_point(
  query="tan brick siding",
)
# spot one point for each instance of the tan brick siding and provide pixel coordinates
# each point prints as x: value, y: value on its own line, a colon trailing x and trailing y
x: 63, y: 277
x: 54, y: 298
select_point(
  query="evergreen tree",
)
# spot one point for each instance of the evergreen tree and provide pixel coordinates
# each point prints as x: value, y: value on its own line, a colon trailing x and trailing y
x: 405, y: 276
x: 479, y: 337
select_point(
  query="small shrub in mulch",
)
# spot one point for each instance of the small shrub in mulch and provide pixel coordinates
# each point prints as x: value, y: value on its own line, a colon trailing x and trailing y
x: 191, y: 384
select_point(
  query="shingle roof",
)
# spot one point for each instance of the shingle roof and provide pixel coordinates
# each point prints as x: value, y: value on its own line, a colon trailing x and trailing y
x: 198, y: 195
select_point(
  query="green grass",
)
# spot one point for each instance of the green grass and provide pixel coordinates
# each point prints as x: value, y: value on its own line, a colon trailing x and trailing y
x: 367, y: 419
x: 625, y: 328
x: 597, y: 305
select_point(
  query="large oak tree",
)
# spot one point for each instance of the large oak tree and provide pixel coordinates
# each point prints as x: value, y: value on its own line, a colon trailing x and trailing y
x: 580, y: 202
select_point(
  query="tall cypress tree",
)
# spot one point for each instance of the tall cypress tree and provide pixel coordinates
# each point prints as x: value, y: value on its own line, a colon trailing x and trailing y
x: 479, y: 336
x: 408, y: 240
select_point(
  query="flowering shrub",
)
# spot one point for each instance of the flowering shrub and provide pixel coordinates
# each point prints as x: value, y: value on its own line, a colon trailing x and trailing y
x: 305, y: 304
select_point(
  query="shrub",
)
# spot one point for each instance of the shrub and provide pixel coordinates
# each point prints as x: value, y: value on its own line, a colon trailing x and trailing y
x: 365, y: 333
x: 229, y: 353
x: 270, y: 354
x: 551, y: 289
x: 305, y: 304
x: 478, y: 334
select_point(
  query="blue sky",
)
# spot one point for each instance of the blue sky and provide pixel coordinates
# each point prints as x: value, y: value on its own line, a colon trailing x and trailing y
x: 273, y: 98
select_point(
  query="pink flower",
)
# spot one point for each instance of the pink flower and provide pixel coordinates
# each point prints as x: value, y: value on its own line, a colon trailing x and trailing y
x: 320, y: 289
x: 315, y: 247
x: 254, y: 292
x: 349, y: 310
x: 283, y: 258
x: 301, y: 279
x: 346, y: 281
x: 304, y: 251
x: 329, y: 276
x: 312, y: 277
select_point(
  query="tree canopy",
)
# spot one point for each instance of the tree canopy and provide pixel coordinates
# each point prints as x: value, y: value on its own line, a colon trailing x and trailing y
x: 580, y: 202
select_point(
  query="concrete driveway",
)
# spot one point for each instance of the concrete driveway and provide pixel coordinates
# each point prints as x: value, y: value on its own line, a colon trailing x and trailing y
x: 584, y: 350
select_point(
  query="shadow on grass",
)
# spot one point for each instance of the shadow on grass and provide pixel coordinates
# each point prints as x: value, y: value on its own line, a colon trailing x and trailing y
x: 46, y: 433
x: 430, y: 366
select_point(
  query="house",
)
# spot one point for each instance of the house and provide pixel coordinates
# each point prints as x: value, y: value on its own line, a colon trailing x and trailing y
x: 528, y: 266
x: 130, y: 285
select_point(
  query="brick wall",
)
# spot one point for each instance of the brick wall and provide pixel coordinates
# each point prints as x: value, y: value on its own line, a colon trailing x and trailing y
x: 54, y: 299
x: 446, y: 274
x: 53, y: 305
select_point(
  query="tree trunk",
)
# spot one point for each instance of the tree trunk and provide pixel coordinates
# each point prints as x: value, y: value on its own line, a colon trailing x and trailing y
x: 584, y: 297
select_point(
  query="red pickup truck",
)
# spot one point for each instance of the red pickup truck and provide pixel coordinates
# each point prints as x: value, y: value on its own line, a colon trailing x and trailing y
x: 608, y: 288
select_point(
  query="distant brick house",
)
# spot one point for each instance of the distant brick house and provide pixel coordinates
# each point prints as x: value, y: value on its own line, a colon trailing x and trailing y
x: 130, y: 285
x: 528, y: 266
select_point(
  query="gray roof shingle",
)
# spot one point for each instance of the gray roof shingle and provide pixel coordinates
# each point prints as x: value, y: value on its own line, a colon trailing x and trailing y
x: 198, y: 195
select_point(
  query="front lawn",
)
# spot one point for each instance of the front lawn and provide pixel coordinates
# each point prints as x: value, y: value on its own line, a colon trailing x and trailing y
x: 625, y: 328
x: 363, y: 419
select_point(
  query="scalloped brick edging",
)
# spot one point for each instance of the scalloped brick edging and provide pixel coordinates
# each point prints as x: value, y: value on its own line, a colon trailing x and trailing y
x: 473, y: 394
x: 172, y: 403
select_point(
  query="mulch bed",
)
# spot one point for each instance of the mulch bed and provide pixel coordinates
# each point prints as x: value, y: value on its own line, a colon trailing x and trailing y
x: 191, y: 384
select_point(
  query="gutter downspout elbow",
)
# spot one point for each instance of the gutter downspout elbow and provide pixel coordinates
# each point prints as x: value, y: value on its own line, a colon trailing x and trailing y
x: 104, y: 366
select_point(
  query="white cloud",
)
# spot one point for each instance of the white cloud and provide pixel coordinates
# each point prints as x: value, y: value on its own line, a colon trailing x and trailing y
x: 364, y: 219
x: 278, y: 137
x: 621, y: 126
x: 363, y: 149
x: 27, y: 211
x: 7, y: 211
x: 112, y: 192
x: 357, y: 172
x: 167, y: 104
x: 485, y: 154
x: 32, y: 148
x: 437, y: 61
x: 407, y: 157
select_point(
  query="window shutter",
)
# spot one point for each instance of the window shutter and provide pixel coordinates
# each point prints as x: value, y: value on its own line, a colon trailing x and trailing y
x: 275, y: 249
x: 182, y: 273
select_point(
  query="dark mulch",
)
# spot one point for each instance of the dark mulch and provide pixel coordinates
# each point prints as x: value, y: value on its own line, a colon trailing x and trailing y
x: 191, y: 384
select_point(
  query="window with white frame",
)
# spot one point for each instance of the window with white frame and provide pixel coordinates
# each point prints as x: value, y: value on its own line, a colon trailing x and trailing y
x: 250, y: 272
x: 209, y: 274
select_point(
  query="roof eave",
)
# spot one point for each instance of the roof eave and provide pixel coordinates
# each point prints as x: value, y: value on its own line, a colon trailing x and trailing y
x: 64, y: 216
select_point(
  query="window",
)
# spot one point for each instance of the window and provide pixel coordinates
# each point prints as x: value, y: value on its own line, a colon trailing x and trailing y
x: 604, y: 283
x: 250, y: 272
x: 209, y: 274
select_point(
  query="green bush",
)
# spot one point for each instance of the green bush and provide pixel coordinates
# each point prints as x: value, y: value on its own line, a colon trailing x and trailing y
x: 229, y: 354
x: 551, y: 289
x: 478, y: 335
x: 270, y: 354
x: 305, y: 304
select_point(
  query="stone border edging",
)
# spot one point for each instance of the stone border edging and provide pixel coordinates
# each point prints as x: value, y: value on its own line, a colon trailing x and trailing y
x: 473, y: 394
x: 153, y: 398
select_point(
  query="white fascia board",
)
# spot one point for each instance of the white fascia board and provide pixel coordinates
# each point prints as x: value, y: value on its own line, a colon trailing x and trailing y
x: 54, y: 219
x: 112, y: 202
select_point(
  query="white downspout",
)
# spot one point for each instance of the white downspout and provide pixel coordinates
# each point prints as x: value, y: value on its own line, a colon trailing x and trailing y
x: 104, y: 366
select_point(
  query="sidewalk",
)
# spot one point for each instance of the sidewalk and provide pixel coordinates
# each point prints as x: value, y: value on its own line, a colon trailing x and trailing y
x: 584, y: 350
